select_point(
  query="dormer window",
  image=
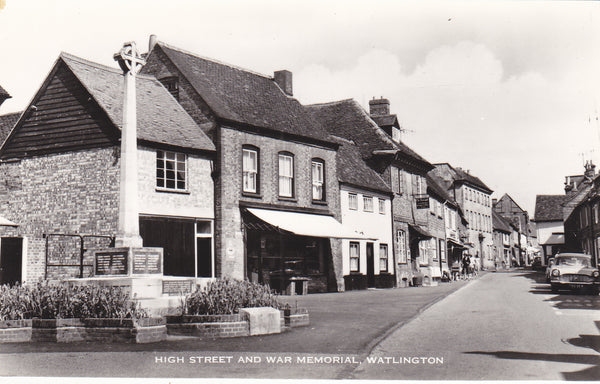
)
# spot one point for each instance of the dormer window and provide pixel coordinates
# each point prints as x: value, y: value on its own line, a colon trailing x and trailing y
x: 172, y: 85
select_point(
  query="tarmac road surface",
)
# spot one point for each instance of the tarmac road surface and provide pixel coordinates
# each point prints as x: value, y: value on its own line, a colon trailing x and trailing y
x: 505, y: 326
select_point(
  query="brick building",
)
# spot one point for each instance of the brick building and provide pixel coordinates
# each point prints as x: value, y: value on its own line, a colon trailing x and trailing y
x: 398, y: 165
x: 277, y: 203
x: 60, y: 174
x: 508, y: 208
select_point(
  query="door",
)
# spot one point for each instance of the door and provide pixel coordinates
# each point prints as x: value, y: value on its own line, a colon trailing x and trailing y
x: 11, y: 252
x: 204, y: 254
x: 370, y: 265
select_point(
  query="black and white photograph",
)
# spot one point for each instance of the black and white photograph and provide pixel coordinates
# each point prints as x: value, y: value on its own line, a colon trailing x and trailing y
x: 307, y: 191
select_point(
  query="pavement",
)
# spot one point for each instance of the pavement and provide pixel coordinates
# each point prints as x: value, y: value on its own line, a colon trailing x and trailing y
x: 346, y: 326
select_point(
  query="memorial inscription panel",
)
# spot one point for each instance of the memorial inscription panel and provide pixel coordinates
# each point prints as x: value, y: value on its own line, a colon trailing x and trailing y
x: 111, y: 263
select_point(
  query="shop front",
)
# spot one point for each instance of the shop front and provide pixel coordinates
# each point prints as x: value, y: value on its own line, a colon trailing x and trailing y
x: 284, y: 247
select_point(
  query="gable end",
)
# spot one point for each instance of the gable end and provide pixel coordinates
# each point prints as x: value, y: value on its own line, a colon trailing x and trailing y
x: 62, y: 117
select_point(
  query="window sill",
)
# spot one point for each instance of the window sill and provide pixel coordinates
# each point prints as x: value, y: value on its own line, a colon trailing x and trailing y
x: 168, y: 190
x: 289, y: 199
x: 319, y: 202
x: 252, y: 194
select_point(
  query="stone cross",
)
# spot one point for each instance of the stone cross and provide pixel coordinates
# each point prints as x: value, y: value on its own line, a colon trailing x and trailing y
x: 128, y: 233
x: 129, y: 59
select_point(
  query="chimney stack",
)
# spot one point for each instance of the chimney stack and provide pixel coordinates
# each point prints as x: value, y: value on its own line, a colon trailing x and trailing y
x: 590, y: 169
x: 379, y: 107
x: 283, y: 78
x: 152, y: 42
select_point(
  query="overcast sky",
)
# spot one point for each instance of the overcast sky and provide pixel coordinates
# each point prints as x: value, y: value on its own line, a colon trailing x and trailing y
x: 507, y: 90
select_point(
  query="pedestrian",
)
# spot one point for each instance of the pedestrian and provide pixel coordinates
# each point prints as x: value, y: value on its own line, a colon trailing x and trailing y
x: 465, y: 267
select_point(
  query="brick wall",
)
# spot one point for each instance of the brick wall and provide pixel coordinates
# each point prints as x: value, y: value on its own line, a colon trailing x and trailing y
x: 197, y: 201
x: 229, y: 242
x: 74, y: 192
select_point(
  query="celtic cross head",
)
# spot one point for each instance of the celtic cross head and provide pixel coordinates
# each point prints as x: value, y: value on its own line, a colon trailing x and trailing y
x: 129, y: 59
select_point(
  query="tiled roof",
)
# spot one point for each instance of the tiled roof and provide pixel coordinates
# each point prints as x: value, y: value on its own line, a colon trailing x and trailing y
x: 243, y: 96
x: 500, y: 223
x: 549, y: 207
x: 7, y: 122
x: 160, y: 118
x: 470, y: 179
x: 351, y: 169
x: 347, y: 119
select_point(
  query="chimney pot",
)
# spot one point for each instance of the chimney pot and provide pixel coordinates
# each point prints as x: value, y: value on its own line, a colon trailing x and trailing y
x: 283, y: 78
x: 379, y: 107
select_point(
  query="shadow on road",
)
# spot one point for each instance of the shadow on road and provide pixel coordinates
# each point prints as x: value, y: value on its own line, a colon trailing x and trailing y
x: 583, y: 341
x: 591, y: 373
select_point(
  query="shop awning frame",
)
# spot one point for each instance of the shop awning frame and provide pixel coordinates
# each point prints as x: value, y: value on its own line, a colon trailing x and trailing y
x: 305, y: 224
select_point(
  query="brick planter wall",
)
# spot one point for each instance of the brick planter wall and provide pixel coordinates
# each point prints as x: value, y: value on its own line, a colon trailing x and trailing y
x: 99, y: 330
x: 15, y: 331
x: 296, y: 317
x: 208, y: 326
x: 57, y: 330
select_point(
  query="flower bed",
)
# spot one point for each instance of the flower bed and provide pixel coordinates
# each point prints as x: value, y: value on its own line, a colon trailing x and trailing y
x: 229, y: 308
x: 58, y: 313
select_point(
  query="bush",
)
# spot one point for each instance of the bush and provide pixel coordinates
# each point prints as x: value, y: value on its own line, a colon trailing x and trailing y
x: 227, y: 296
x: 60, y: 302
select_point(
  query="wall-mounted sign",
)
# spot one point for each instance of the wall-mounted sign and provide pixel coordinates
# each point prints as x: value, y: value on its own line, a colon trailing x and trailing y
x: 422, y: 202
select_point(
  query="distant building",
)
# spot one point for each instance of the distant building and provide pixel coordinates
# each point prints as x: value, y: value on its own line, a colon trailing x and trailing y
x: 508, y: 208
x: 474, y: 198
x: 549, y: 223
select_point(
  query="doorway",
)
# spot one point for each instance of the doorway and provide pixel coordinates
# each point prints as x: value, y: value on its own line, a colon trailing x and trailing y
x: 11, y: 260
x: 370, y: 265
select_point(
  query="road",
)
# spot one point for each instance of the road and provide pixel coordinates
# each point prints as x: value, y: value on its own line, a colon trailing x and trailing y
x: 505, y: 326
x: 499, y: 326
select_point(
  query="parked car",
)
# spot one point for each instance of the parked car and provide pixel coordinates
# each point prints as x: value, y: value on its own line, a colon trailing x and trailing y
x: 536, y: 263
x: 574, y: 271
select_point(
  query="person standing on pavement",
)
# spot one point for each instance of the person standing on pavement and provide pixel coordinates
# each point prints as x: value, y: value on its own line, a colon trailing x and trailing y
x: 465, y: 266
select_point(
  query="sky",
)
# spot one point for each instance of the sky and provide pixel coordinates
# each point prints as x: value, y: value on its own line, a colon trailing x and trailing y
x: 505, y: 89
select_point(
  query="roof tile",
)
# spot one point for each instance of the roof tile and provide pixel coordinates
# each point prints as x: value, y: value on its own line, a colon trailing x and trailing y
x: 160, y: 117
